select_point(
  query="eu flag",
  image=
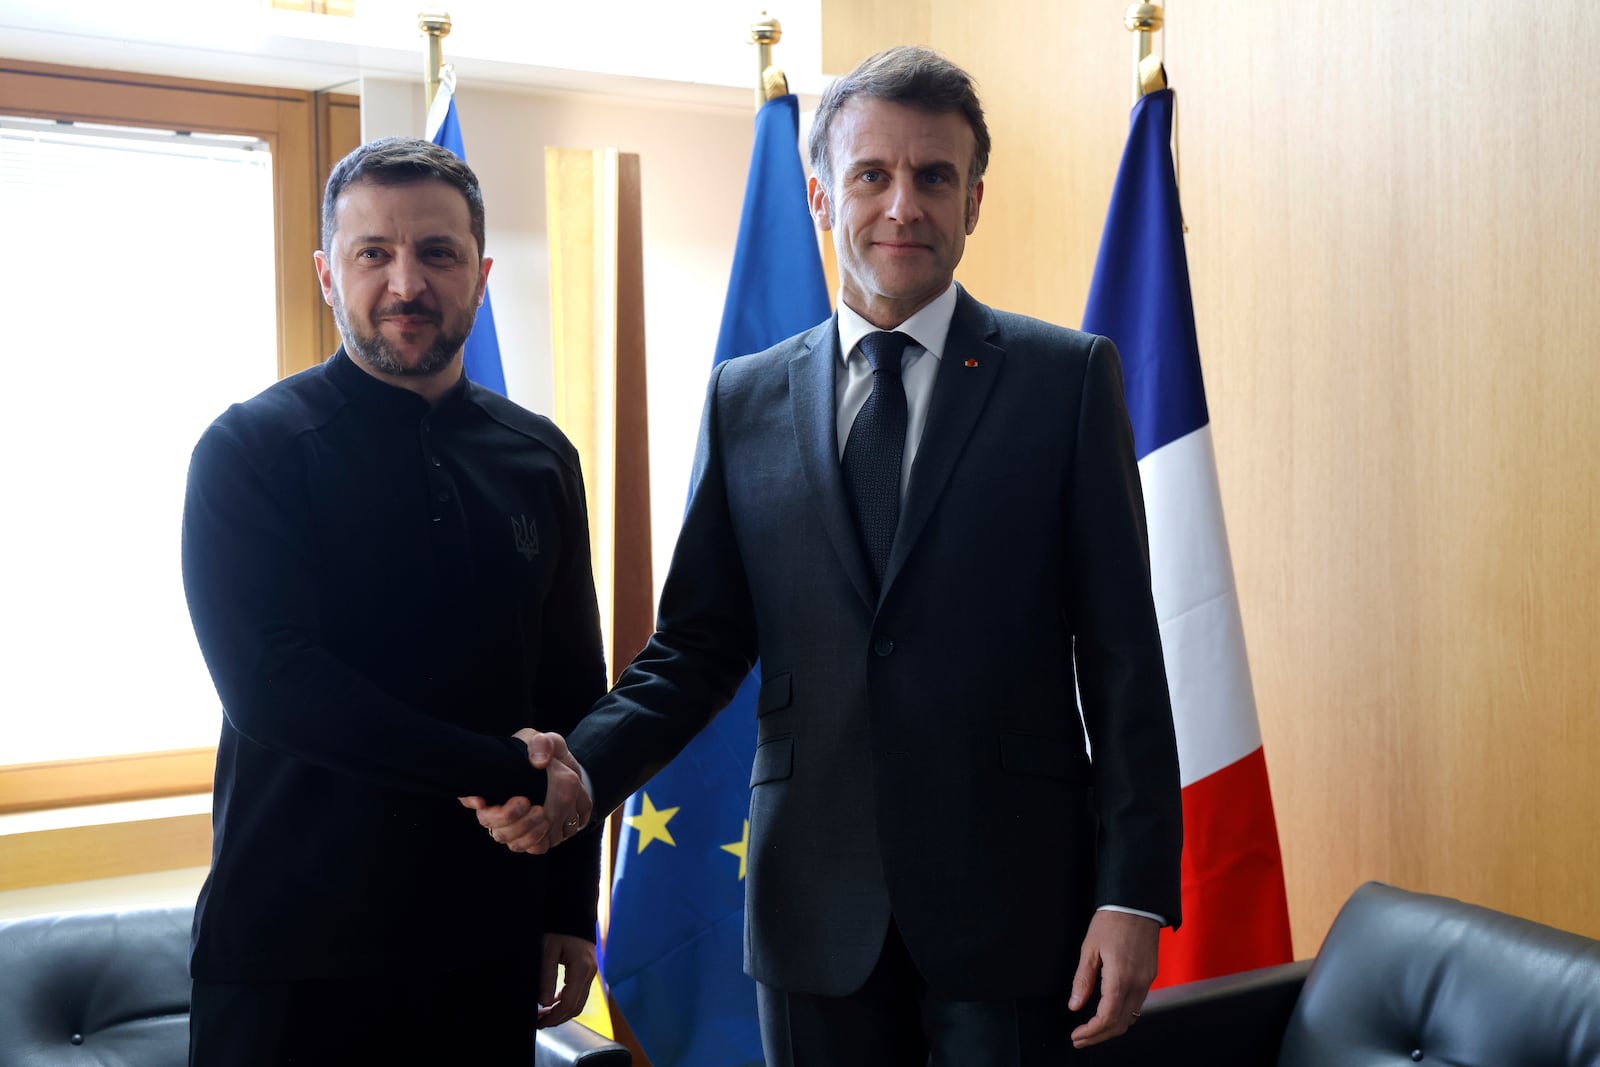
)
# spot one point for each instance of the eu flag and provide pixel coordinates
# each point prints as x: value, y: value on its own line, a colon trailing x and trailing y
x: 1235, y: 912
x: 675, y: 950
x: 482, y: 356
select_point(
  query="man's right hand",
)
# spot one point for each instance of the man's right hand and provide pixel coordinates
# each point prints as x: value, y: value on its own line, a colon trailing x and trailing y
x: 521, y: 825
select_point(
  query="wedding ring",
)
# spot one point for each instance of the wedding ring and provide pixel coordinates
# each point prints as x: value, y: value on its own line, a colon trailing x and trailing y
x: 571, y: 823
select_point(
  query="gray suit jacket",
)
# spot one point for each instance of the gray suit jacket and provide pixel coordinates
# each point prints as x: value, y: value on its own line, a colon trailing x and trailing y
x: 921, y: 753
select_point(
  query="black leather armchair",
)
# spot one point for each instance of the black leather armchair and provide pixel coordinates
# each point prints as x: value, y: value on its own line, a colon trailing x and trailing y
x: 1401, y: 978
x: 111, y: 989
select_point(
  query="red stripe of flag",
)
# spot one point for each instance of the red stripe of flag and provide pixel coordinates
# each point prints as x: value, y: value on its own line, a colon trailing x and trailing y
x: 1235, y: 913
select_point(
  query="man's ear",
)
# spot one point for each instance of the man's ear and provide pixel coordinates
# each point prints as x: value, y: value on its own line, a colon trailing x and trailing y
x: 324, y: 275
x: 974, y: 201
x: 820, y: 211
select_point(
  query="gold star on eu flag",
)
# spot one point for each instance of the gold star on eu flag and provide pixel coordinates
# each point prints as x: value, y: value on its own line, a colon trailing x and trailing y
x: 738, y: 848
x: 650, y: 824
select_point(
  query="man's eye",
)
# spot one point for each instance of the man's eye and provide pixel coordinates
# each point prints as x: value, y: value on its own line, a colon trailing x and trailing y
x: 872, y: 175
x: 441, y: 255
x: 370, y: 253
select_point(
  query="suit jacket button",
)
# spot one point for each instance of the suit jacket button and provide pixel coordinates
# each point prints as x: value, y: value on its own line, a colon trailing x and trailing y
x: 883, y: 647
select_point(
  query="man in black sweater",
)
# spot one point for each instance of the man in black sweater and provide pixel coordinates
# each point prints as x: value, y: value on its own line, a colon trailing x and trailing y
x: 388, y: 571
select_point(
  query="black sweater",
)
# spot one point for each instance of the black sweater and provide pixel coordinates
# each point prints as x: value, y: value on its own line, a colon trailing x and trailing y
x: 383, y: 594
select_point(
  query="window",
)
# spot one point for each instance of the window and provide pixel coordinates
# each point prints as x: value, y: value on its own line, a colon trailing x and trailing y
x: 159, y: 321
x: 142, y: 277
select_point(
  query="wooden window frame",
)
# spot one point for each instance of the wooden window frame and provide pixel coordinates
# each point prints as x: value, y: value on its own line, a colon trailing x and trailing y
x: 284, y: 118
x: 307, y: 132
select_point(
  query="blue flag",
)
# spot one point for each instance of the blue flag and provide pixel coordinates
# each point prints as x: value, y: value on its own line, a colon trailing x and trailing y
x: 675, y: 952
x: 482, y: 356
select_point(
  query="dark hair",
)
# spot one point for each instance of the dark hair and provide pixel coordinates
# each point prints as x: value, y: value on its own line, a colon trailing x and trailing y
x: 916, y: 77
x: 397, y: 161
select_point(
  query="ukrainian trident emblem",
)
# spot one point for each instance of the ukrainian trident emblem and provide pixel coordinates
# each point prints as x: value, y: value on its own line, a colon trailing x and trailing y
x: 526, y: 533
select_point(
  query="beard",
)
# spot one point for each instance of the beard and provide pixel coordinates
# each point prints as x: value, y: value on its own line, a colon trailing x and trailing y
x: 374, y: 349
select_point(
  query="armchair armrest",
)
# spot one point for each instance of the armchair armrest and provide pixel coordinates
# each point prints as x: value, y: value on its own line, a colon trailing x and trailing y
x: 571, y: 1044
x: 1238, y: 1019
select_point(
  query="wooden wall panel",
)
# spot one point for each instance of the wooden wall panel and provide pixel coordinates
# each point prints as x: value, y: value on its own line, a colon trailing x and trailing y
x: 597, y: 298
x: 595, y: 225
x: 1393, y: 257
x: 104, y: 850
x: 105, y: 779
x: 1393, y: 247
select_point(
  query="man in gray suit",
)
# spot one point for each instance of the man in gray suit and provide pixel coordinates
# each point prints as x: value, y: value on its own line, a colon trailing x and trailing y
x: 924, y: 516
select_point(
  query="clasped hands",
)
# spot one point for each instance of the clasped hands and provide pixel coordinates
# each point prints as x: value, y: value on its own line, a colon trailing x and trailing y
x: 523, y: 826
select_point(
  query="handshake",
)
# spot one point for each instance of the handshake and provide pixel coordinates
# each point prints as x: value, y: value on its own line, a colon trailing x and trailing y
x: 522, y: 826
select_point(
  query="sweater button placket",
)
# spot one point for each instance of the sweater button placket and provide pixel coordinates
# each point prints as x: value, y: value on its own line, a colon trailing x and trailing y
x: 440, y: 496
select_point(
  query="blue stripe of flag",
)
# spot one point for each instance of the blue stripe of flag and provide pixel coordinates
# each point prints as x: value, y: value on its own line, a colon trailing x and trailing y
x: 1140, y: 294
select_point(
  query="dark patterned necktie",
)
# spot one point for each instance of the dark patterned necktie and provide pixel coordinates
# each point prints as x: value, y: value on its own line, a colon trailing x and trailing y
x: 873, y: 451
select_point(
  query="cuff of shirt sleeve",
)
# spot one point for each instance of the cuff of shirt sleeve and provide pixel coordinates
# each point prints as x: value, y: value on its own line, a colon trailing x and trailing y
x: 1133, y: 911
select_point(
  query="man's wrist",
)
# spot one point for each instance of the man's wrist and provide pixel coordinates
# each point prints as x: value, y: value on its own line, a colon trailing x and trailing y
x: 583, y: 775
x: 1159, y: 921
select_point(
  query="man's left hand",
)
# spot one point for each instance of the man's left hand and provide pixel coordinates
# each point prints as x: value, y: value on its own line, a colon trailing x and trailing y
x: 576, y: 956
x: 1120, y: 953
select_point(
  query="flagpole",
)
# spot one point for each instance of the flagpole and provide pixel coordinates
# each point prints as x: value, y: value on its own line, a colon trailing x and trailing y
x: 1142, y: 20
x: 436, y: 25
x: 1148, y: 74
x: 770, y: 81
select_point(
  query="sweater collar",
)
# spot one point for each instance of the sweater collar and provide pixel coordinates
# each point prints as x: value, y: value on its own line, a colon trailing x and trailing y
x: 374, y: 392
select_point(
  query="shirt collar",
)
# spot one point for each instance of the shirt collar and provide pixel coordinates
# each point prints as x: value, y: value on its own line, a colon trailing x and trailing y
x: 929, y: 327
x: 365, y: 388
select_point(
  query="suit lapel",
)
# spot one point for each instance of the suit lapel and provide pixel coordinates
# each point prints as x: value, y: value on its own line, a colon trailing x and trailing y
x: 811, y: 395
x: 967, y: 373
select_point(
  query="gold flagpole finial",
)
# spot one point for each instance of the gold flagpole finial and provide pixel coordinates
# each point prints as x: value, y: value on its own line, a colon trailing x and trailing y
x: 436, y: 25
x: 770, y: 82
x: 1142, y: 20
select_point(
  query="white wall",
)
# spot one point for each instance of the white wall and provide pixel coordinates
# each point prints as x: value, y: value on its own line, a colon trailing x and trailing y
x: 693, y: 162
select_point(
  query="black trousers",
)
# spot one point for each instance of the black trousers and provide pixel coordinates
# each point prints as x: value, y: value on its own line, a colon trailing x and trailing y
x: 483, y: 1016
x: 894, y: 1020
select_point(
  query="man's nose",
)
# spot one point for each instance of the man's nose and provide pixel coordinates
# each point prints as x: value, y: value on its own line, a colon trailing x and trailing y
x: 406, y: 279
x: 905, y: 201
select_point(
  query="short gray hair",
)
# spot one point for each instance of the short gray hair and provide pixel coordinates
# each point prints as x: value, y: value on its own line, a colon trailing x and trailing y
x: 917, y: 77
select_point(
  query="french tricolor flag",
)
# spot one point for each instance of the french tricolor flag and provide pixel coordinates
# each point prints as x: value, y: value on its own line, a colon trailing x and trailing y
x: 1235, y: 914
